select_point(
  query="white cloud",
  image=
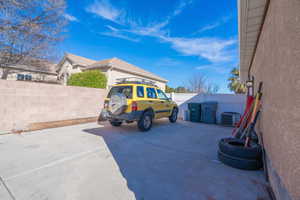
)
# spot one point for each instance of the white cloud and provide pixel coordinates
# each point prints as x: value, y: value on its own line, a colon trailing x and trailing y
x: 181, y: 6
x: 117, y: 33
x: 208, y: 27
x: 221, y: 68
x: 112, y: 28
x: 131, y: 33
x: 104, y: 9
x: 154, y: 30
x: 70, y: 17
x: 214, y: 50
x: 214, y: 25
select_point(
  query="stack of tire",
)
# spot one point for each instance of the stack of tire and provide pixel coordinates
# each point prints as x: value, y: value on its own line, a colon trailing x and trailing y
x: 232, y: 152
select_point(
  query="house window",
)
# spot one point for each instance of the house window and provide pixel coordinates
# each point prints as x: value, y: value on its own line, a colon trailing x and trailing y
x: 151, y: 93
x: 140, y: 91
x: 28, y: 77
x: 20, y: 77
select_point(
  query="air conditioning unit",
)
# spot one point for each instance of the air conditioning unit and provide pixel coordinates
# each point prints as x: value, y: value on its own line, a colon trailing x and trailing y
x: 230, y: 118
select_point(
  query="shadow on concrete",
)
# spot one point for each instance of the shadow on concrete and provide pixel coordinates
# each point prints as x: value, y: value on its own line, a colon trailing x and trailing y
x: 148, y: 172
x: 177, y: 162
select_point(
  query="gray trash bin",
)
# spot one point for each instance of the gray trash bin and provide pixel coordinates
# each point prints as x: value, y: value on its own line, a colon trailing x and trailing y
x: 208, y: 112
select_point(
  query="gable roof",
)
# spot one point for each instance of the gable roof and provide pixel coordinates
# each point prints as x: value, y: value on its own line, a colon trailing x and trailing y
x: 115, y: 63
x: 119, y: 64
x: 30, y: 68
x: 36, y: 65
x: 79, y: 60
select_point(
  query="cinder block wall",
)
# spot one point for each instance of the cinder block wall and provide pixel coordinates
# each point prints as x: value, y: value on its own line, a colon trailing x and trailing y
x: 23, y: 103
x: 277, y: 64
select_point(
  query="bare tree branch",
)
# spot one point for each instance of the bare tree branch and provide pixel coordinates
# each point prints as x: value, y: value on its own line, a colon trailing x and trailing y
x: 198, y: 84
x: 28, y: 29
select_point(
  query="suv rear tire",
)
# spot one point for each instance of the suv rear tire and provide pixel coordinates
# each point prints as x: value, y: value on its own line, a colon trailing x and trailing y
x: 115, y: 123
x: 145, y: 122
x: 173, y: 117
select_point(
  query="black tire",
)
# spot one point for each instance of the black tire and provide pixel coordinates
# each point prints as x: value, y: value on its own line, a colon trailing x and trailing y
x: 145, y: 122
x: 235, y: 147
x: 239, y: 163
x: 173, y: 117
x: 115, y: 123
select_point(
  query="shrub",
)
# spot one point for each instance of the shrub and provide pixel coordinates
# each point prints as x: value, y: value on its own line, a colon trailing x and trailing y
x: 91, y: 78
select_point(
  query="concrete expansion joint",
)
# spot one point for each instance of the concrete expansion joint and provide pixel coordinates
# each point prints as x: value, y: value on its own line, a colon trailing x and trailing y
x: 7, y: 189
x: 57, y: 162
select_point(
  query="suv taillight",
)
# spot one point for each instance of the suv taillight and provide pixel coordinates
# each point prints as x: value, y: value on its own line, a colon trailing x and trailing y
x: 134, y: 106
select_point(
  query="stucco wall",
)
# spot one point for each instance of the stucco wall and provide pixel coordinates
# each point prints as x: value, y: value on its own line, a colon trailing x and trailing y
x: 277, y: 64
x: 115, y: 74
x: 23, y: 103
x: 66, y: 71
x: 35, y: 76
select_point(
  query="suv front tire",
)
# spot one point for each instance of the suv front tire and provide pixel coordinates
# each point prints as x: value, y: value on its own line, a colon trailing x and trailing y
x: 173, y: 117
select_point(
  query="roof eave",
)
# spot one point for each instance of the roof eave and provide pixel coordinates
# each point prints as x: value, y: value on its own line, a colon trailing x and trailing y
x: 143, y: 75
x: 98, y: 66
x: 251, y: 16
x: 30, y: 70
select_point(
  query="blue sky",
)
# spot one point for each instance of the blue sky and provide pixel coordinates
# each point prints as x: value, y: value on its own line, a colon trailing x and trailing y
x: 174, y: 39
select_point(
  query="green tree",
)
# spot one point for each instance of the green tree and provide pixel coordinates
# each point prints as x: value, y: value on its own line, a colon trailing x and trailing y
x: 181, y: 89
x: 235, y: 84
x: 91, y: 78
x: 169, y: 89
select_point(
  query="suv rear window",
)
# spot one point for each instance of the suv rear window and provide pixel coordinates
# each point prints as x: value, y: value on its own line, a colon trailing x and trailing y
x: 126, y: 90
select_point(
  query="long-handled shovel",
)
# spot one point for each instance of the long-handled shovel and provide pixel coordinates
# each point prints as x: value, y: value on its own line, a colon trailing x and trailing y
x: 254, y: 115
x: 250, y: 131
x: 244, y: 123
x: 241, y: 125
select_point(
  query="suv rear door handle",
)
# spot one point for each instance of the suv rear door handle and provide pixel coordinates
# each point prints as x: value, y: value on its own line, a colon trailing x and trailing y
x: 162, y: 102
x: 151, y: 101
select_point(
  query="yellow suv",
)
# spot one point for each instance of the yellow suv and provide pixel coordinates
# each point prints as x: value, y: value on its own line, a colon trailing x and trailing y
x: 139, y: 101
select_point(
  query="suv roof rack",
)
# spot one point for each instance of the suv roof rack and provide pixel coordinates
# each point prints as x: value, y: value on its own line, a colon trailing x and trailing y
x: 135, y: 80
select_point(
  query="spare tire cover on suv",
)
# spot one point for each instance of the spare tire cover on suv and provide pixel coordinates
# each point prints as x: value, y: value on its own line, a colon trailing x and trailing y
x: 117, y: 104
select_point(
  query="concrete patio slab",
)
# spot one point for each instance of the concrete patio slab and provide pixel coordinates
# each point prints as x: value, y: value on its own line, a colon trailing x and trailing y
x: 88, y: 161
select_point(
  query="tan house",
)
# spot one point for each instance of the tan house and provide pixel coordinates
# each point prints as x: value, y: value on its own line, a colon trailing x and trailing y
x: 269, y: 37
x: 45, y: 72
x: 113, y: 68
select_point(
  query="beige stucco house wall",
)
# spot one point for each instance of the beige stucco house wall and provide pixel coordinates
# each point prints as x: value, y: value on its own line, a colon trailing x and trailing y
x: 272, y: 53
x: 39, y: 74
x: 114, y: 74
x: 113, y: 68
